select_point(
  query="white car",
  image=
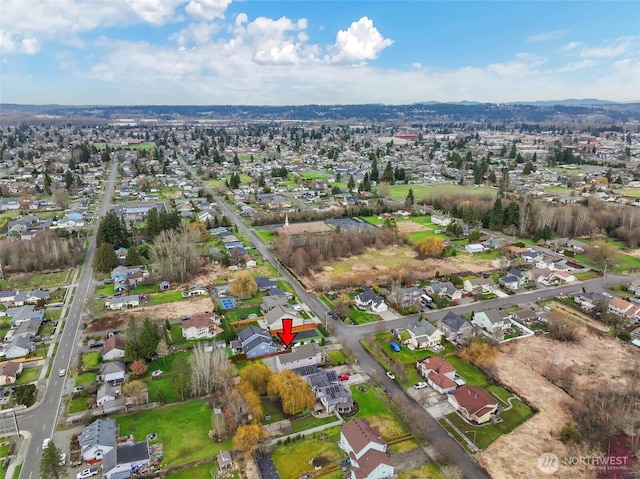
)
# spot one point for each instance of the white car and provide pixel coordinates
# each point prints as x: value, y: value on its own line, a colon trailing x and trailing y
x: 420, y: 385
x: 93, y: 471
x: 390, y: 375
x: 156, y: 373
x: 62, y: 372
x: 63, y: 459
x: 45, y: 443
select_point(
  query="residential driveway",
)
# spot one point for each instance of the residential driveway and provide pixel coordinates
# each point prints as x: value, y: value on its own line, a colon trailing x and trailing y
x: 501, y: 294
x: 409, y: 460
x: 434, y: 402
x: 388, y: 315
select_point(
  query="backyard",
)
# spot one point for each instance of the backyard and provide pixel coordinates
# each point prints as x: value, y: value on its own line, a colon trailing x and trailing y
x: 305, y: 450
x: 27, y: 282
x: 184, y: 440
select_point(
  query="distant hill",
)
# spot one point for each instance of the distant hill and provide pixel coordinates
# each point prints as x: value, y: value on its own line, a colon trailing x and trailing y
x: 568, y: 102
x: 599, y: 111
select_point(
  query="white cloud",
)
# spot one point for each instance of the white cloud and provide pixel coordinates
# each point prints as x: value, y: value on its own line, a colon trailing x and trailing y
x: 155, y: 12
x: 207, y: 9
x: 361, y: 41
x: 198, y: 33
x: 571, y: 46
x: 609, y: 50
x: 546, y: 36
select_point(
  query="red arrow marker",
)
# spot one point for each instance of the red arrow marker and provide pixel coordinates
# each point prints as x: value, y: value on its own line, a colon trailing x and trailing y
x: 286, y: 335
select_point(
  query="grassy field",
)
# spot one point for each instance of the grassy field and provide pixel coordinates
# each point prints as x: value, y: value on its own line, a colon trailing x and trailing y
x: 91, y: 360
x: 166, y: 364
x: 78, y: 404
x: 426, y: 471
x: 472, y: 375
x: 624, y: 262
x: 29, y: 375
x: 360, y: 317
x: 336, y: 357
x: 144, y: 146
x: 237, y: 314
x: 162, y: 385
x: 34, y: 281
x: 85, y: 378
x: 632, y: 192
x: 167, y: 297
x: 424, y: 191
x: 184, y: 440
x: 304, y: 451
x: 313, y: 175
x: 264, y: 235
x: 203, y: 471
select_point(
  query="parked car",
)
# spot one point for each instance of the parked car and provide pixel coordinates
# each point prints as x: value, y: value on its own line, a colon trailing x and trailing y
x: 92, y: 471
x: 77, y: 389
x: 390, y: 375
x: 97, y: 344
x: 420, y: 385
x: 394, y: 346
x: 46, y: 442
x: 343, y: 377
x: 156, y: 373
x: 63, y: 459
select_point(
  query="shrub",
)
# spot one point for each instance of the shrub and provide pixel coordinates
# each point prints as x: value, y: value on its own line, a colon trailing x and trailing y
x: 570, y: 433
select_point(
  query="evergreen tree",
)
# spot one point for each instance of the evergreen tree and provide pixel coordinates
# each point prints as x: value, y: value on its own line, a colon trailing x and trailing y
x: 374, y: 168
x: 113, y: 231
x: 133, y: 257
x: 496, y: 215
x: 68, y: 179
x: 105, y: 258
x: 152, y: 221
x: 50, y: 467
x: 132, y: 348
x: 387, y: 174
x: 351, y: 184
x: 409, y: 200
x: 148, y: 339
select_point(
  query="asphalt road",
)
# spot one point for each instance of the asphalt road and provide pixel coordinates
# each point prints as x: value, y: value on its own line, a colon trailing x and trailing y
x: 41, y: 420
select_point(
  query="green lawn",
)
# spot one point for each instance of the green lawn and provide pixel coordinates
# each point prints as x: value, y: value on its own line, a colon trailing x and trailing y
x: 91, y: 360
x: 313, y: 175
x: 106, y: 290
x: 166, y: 364
x: 633, y: 192
x: 53, y: 314
x: 485, y: 435
x: 203, y: 471
x: 78, y: 404
x: 146, y: 289
x: 304, y: 451
x: 425, y: 191
x: 336, y: 357
x: 85, y: 378
x: 310, y: 422
x: 42, y: 280
x: 472, y: 375
x: 237, y: 314
x: 29, y: 375
x: 361, y: 317
x: 4, y: 449
x: 370, y: 404
x: 263, y: 234
x: 182, y: 429
x: 586, y: 275
x: 624, y: 262
x: 154, y: 386
x: 425, y: 471
x: 168, y: 297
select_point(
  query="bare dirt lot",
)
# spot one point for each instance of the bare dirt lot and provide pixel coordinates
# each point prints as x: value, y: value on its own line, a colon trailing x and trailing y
x: 377, y: 266
x: 520, y: 365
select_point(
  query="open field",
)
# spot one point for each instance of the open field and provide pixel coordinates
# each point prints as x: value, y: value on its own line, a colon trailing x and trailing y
x: 375, y: 266
x: 596, y: 359
x: 424, y: 191
x: 632, y: 192
x: 27, y: 282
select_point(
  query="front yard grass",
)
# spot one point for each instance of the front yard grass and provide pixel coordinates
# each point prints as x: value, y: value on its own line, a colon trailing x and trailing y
x: 91, y: 360
x: 78, y: 404
x: 85, y: 378
x: 472, y: 375
x: 146, y: 289
x: 154, y: 386
x: 53, y: 314
x: 304, y: 451
x: 310, y: 422
x: 167, y: 297
x: 29, y: 375
x: 336, y: 357
x: 361, y: 317
x: 182, y: 429
x: 425, y: 471
x: 369, y: 402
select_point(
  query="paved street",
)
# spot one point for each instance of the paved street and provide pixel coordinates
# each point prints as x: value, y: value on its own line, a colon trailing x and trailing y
x: 40, y: 420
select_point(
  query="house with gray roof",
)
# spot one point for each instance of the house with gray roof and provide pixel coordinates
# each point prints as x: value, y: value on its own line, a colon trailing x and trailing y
x: 97, y: 439
x: 125, y: 459
x: 18, y: 348
x: 422, y: 335
x: 308, y: 354
x: 492, y: 321
x: 455, y: 328
x: 368, y: 300
x: 255, y: 341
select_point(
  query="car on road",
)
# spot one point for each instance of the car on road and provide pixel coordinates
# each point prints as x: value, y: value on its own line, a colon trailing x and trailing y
x: 343, y: 377
x: 92, y: 471
x: 420, y: 385
x: 62, y: 372
x: 156, y: 373
x: 45, y: 443
x: 390, y: 375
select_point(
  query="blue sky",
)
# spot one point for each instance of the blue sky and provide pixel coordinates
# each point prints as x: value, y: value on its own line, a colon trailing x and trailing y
x: 301, y: 52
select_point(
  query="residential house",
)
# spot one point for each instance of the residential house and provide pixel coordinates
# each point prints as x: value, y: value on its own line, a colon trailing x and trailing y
x: 270, y: 302
x: 107, y: 392
x: 308, y: 354
x: 18, y: 348
x: 273, y: 319
x: 440, y: 375
x: 24, y: 313
x: 195, y: 290
x: 366, y: 450
x: 473, y: 403
x: 121, y: 272
x: 537, y: 275
x: 201, y: 326
x: 368, y: 300
x: 113, y: 348
x: 524, y: 316
x: 422, y: 335
x: 514, y: 280
x: 331, y: 394
x: 225, y: 463
x: 32, y: 297
x: 563, y: 276
x: 492, y: 321
x: 255, y: 341
x: 122, y: 302
x: 441, y: 220
x: 8, y: 296
x: 124, y: 460
x: 621, y: 307
x: 97, y: 439
x: 9, y: 372
x: 112, y: 372
x: 27, y: 329
x: 532, y: 256
x: 588, y: 301
x: 444, y: 290
x: 480, y: 285
x: 405, y: 297
x: 474, y: 248
x: 455, y: 328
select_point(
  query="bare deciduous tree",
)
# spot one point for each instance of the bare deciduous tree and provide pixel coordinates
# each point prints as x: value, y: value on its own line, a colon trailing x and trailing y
x: 175, y: 254
x: 210, y: 371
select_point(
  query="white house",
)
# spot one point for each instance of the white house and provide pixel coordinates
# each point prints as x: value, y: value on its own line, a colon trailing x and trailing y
x: 366, y: 450
x: 563, y: 276
x: 308, y: 354
x: 113, y: 348
x: 122, y: 302
x: 480, y: 285
x: 422, y: 335
x: 441, y: 220
x: 492, y: 321
x: 112, y: 372
x: 440, y: 374
x: 474, y: 248
x: 125, y: 458
x: 9, y: 372
x: 97, y: 439
x: 201, y: 326
x: 368, y: 300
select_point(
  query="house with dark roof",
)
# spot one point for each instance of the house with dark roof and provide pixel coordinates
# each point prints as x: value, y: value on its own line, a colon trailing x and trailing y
x: 97, y: 439
x: 455, y: 328
x: 255, y: 341
x: 125, y: 459
x: 274, y: 318
x: 270, y: 302
x: 444, y: 290
x: 422, y: 335
x: 201, y: 326
x: 473, y: 403
x: 491, y: 321
x: 265, y: 284
x: 113, y: 347
x: 366, y: 449
x: 107, y: 392
x: 18, y: 348
x: 9, y: 372
x: 112, y: 372
x: 368, y: 300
